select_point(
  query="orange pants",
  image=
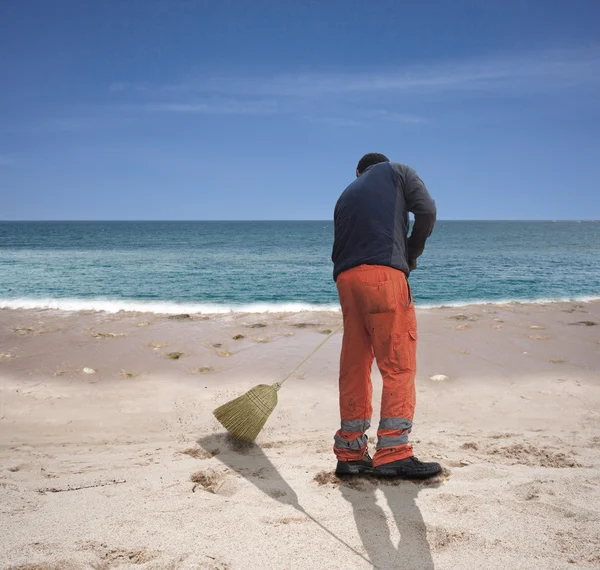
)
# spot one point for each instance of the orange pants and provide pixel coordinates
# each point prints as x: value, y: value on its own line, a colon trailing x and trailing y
x: 379, y: 322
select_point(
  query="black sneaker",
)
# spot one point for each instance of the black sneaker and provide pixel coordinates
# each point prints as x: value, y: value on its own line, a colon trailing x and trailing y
x: 363, y: 466
x: 409, y: 468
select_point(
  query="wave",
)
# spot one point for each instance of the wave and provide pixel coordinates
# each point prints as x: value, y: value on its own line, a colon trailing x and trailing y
x: 174, y: 308
x: 160, y: 307
x: 542, y: 301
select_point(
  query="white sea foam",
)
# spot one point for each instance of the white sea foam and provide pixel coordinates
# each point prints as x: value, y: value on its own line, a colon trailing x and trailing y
x: 544, y: 301
x: 172, y: 308
x: 160, y: 307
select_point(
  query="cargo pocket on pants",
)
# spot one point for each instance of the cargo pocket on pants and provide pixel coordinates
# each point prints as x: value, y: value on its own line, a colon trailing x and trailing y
x: 405, y: 351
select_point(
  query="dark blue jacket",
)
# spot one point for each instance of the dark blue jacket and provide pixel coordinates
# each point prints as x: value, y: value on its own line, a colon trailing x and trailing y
x: 371, y: 219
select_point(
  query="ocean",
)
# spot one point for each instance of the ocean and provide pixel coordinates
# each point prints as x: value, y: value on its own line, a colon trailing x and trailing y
x: 279, y: 266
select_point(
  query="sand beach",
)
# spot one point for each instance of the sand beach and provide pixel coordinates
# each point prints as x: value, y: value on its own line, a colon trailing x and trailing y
x: 110, y: 456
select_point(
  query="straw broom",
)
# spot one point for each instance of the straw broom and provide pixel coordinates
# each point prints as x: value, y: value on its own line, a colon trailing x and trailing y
x: 245, y: 416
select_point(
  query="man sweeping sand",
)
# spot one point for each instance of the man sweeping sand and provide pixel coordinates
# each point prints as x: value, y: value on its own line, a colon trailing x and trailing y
x: 373, y: 257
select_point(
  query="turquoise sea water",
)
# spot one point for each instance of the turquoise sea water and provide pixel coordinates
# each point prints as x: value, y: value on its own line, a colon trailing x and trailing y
x: 221, y: 266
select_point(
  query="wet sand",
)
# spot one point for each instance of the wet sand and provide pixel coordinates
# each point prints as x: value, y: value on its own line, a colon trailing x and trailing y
x: 110, y: 456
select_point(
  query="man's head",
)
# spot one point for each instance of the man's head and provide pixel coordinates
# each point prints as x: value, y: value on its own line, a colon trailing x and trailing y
x: 369, y: 160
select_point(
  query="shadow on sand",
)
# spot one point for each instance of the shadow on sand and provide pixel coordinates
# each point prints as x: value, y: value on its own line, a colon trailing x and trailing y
x: 412, y: 551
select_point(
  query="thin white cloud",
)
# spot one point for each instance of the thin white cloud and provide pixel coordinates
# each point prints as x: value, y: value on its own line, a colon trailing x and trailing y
x: 339, y: 98
x: 551, y: 69
x: 334, y: 121
x: 352, y: 118
x: 395, y: 117
x: 513, y: 73
x: 228, y: 107
x: 359, y: 118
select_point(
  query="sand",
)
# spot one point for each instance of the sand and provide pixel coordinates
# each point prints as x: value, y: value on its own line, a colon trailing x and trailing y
x: 123, y: 465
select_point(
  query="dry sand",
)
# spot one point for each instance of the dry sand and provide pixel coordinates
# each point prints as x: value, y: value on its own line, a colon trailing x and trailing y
x: 123, y: 466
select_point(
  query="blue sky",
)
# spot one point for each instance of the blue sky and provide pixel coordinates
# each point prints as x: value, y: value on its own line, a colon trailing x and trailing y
x: 161, y: 109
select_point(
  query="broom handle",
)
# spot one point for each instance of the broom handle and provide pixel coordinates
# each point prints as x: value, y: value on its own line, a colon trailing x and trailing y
x: 334, y: 331
x: 334, y: 536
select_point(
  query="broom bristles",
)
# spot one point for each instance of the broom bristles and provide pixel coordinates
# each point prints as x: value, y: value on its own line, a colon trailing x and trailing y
x: 245, y: 416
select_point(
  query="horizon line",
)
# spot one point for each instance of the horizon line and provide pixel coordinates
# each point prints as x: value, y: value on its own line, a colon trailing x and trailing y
x: 291, y: 220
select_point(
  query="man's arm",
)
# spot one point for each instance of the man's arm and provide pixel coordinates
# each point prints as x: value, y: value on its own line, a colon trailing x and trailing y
x: 420, y: 203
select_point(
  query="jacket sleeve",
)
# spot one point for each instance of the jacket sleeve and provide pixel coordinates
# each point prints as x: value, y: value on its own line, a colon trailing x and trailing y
x: 335, y: 252
x: 420, y: 203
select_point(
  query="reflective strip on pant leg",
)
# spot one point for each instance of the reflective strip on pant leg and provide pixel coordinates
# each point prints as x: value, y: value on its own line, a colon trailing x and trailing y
x: 355, y: 444
x: 403, y: 425
x: 392, y: 441
x: 395, y: 423
x: 353, y: 426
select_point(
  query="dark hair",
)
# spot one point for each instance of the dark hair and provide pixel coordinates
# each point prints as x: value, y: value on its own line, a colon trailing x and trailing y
x: 369, y: 160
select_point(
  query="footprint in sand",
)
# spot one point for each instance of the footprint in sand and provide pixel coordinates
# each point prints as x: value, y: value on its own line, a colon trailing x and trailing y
x: 174, y: 355
x: 539, y: 336
x: 215, y: 482
x: 527, y: 454
x: 585, y: 323
x: 257, y: 326
x: 531, y: 490
x: 199, y: 453
x: 112, y: 557
x: 157, y: 345
x: 207, y: 480
x: 557, y: 360
x: 441, y: 538
x: 537, y: 328
x: 238, y: 337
